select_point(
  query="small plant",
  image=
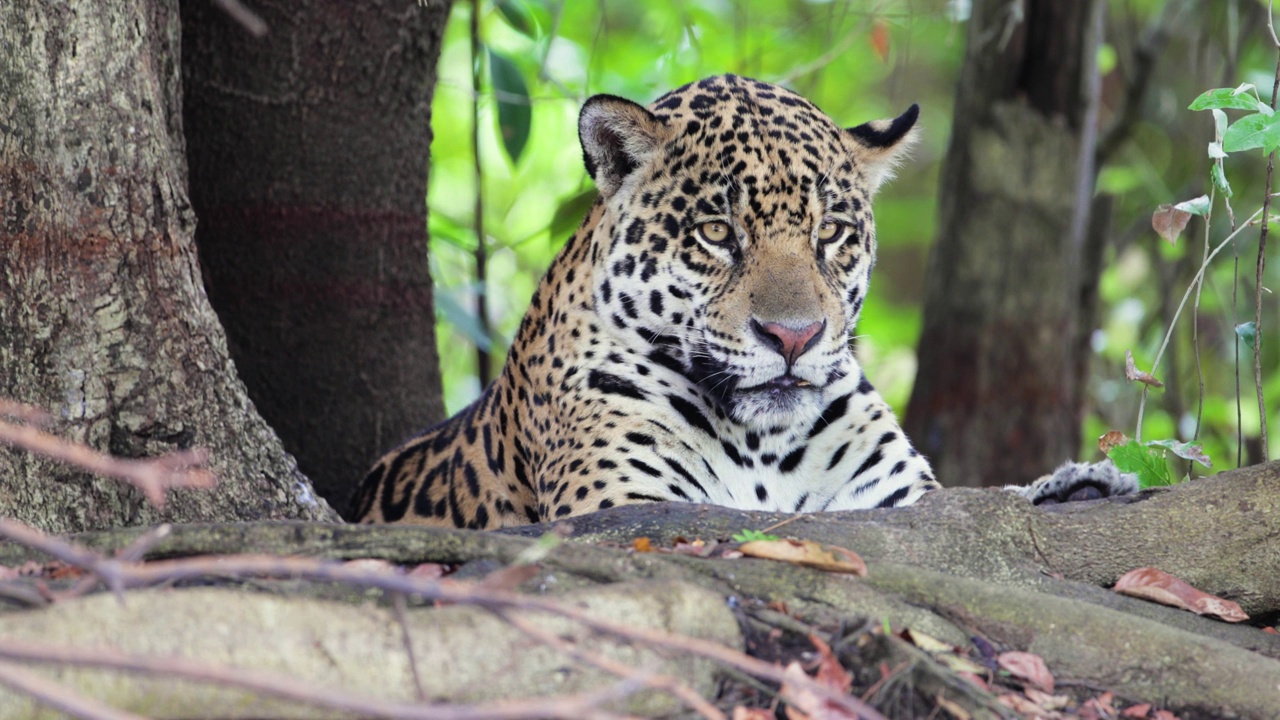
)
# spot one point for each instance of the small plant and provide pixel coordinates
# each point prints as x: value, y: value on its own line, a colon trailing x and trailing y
x: 747, y: 536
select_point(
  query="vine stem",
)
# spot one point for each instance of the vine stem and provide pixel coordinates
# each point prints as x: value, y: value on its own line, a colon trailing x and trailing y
x: 481, y: 254
x: 1262, y: 265
x: 1194, y: 283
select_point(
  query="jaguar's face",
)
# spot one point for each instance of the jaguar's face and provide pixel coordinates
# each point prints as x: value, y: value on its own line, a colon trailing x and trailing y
x: 741, y: 247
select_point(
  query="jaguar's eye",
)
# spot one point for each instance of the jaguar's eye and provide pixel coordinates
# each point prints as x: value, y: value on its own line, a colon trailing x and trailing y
x: 715, y: 232
x: 830, y: 229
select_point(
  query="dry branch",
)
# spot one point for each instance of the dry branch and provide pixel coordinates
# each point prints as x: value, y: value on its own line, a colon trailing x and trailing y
x: 152, y: 476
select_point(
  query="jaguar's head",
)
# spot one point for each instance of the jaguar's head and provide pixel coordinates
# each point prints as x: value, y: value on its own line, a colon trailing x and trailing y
x: 737, y: 238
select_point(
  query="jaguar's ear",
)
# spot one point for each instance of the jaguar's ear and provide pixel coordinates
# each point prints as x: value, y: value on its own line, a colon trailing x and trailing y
x: 882, y: 145
x: 617, y: 137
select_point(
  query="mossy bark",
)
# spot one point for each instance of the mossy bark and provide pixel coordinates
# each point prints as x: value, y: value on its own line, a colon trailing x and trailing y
x: 103, y: 317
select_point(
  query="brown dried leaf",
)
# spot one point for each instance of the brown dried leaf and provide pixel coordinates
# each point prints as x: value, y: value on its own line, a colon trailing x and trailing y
x: 509, y: 577
x: 1028, y: 667
x: 830, y: 672
x: 1169, y: 221
x: 956, y: 711
x: 1045, y: 700
x: 802, y: 703
x: 431, y: 571
x: 1110, y: 439
x: 1023, y: 705
x: 1136, y: 711
x: 743, y: 713
x: 1158, y: 586
x: 1164, y: 715
x: 642, y: 544
x: 807, y: 553
x: 1131, y: 372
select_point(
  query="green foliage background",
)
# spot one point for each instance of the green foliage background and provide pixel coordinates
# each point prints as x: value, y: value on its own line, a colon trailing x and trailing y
x: 858, y: 60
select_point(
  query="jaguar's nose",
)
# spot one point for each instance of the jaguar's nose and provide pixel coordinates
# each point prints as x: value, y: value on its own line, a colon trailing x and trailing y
x: 789, y: 342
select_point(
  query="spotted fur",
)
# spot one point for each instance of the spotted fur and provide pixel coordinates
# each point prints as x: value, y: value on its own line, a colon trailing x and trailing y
x: 691, y: 340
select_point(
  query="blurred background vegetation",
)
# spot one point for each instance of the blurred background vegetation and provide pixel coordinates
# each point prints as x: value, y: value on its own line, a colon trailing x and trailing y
x: 860, y: 60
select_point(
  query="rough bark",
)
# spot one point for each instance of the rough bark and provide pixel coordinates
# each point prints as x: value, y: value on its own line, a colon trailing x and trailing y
x: 308, y: 152
x: 963, y: 563
x: 103, y: 318
x: 997, y: 394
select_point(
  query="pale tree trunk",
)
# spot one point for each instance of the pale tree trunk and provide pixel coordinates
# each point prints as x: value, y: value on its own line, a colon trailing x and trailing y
x: 998, y: 396
x: 308, y: 150
x: 103, y: 318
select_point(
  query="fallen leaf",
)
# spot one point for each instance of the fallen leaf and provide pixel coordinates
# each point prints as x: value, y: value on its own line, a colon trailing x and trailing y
x: 1164, y: 715
x: 807, y: 553
x: 742, y: 713
x: 960, y: 664
x: 1022, y: 705
x: 428, y: 570
x: 1110, y: 439
x: 1045, y: 700
x: 802, y: 703
x: 1271, y: 630
x: 958, y: 712
x: 1131, y: 372
x: 1027, y: 667
x: 1169, y: 221
x: 1136, y: 711
x: 830, y: 672
x: 926, y: 643
x: 509, y: 577
x: 642, y: 544
x: 975, y: 679
x: 368, y: 565
x: 1158, y: 586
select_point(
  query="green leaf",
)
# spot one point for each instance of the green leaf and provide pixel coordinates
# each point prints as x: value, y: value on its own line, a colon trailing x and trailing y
x: 1248, y: 332
x: 1253, y: 131
x: 1186, y: 451
x: 1148, y: 464
x: 1222, y: 98
x: 519, y: 16
x: 463, y: 319
x: 1219, y: 179
x: 752, y: 536
x: 443, y: 228
x: 514, y: 110
x: 570, y: 213
x: 1195, y: 206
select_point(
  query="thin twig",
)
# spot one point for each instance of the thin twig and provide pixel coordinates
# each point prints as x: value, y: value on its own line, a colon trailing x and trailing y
x: 29, y: 414
x: 665, y: 683
x: 153, y: 476
x: 248, y: 19
x: 482, y: 253
x: 1262, y: 264
x: 570, y: 707
x: 162, y: 571
x: 1173, y: 323
x: 58, y: 696
x: 398, y: 608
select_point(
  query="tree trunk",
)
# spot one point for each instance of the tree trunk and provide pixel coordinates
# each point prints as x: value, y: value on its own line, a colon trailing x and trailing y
x: 308, y: 151
x: 997, y: 395
x: 103, y: 319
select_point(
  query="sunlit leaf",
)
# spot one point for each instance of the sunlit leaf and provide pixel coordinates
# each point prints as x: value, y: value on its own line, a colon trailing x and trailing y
x: 1110, y: 439
x: 443, y: 228
x: 514, y: 111
x: 1248, y: 332
x: 1253, y: 131
x: 1196, y: 206
x: 1145, y: 462
x: 1223, y: 98
x: 1215, y: 150
x: 1186, y: 451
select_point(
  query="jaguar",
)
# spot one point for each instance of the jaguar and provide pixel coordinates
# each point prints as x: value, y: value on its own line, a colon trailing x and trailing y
x: 691, y: 341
